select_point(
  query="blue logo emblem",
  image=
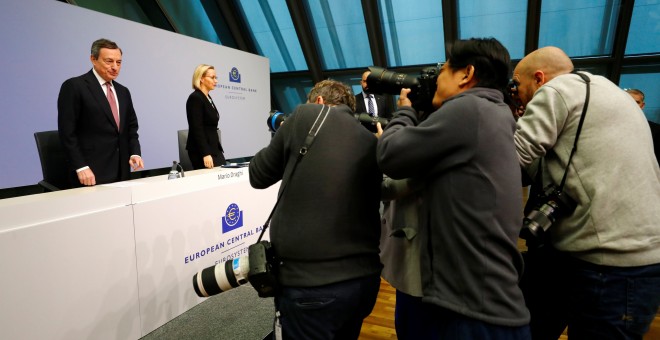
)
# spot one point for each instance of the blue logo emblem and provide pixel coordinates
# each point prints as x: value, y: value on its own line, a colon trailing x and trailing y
x: 233, y: 218
x: 234, y: 75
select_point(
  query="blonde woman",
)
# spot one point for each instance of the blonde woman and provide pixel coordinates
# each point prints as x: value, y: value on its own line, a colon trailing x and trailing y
x: 203, y: 145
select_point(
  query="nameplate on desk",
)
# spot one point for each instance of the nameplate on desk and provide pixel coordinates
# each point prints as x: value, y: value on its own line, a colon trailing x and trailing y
x: 225, y: 175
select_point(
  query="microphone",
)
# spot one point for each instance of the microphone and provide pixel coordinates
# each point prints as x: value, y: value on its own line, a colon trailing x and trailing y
x: 174, y: 173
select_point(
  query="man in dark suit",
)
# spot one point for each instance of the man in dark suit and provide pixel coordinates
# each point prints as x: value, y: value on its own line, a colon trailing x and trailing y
x: 382, y: 107
x: 97, y: 124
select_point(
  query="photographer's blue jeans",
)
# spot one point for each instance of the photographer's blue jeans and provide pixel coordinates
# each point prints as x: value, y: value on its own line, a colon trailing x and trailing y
x: 611, y: 302
x: 595, y: 302
x: 333, y: 311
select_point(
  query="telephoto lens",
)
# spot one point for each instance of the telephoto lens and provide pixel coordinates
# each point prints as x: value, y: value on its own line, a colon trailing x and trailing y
x: 422, y: 88
x: 369, y: 122
x: 221, y: 277
x: 381, y: 80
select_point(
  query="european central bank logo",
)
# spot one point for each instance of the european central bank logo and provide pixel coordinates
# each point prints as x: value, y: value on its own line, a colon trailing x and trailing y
x: 234, y: 75
x: 233, y: 218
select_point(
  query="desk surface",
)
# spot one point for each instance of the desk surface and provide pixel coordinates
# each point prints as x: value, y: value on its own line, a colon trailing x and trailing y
x: 26, y: 211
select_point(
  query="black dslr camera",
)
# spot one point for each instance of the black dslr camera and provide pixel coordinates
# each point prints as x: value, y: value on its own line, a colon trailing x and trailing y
x: 259, y: 268
x: 263, y: 269
x: 382, y: 81
x: 551, y: 205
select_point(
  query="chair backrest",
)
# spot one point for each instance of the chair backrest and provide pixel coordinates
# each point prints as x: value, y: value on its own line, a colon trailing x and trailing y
x: 54, y: 165
x: 184, y: 160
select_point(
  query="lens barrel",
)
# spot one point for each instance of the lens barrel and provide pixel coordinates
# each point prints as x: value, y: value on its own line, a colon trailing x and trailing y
x: 381, y: 81
x: 221, y: 277
x: 369, y: 122
x: 275, y: 119
x: 538, y: 221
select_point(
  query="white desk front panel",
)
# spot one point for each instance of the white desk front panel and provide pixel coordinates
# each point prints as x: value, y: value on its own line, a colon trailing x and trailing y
x: 179, y: 234
x: 69, y: 273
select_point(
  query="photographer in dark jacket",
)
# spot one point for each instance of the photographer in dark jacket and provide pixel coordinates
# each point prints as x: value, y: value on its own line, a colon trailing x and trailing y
x: 471, y: 202
x: 326, y: 228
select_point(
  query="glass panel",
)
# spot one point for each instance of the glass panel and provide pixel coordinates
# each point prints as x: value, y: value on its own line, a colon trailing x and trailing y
x: 644, y: 34
x: 351, y: 80
x: 190, y: 18
x: 580, y: 27
x: 600, y: 70
x: 291, y: 92
x: 340, y: 33
x: 272, y: 30
x: 503, y: 20
x: 646, y: 80
x: 413, y: 34
x: 127, y: 9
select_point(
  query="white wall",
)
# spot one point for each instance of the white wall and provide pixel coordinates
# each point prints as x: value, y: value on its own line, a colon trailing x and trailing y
x: 45, y: 42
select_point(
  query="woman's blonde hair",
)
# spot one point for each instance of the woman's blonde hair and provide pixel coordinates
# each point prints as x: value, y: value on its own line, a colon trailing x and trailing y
x: 200, y: 71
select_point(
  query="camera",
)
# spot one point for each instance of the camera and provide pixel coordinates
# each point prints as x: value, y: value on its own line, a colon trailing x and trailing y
x: 422, y: 88
x: 259, y: 268
x: 552, y: 204
x: 275, y: 119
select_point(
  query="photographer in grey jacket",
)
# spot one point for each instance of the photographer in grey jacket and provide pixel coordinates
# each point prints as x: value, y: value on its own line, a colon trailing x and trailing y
x: 607, y: 259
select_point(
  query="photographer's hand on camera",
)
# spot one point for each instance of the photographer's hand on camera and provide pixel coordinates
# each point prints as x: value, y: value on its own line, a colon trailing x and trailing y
x: 403, y: 98
x: 379, y: 130
x: 404, y: 101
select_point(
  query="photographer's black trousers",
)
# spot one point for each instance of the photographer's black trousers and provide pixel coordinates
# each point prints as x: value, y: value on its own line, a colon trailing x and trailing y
x: 545, y: 293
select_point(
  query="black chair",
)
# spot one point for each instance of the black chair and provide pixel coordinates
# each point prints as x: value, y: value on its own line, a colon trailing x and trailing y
x: 184, y: 160
x: 53, y: 161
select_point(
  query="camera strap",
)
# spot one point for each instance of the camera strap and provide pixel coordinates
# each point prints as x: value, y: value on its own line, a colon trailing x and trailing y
x: 537, y: 186
x: 577, y: 134
x: 309, y: 139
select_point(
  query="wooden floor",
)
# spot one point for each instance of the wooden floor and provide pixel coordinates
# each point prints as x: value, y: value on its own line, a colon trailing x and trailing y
x: 380, y: 324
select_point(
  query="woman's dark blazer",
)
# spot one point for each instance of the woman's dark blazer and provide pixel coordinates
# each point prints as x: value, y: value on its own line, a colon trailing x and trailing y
x: 203, y: 120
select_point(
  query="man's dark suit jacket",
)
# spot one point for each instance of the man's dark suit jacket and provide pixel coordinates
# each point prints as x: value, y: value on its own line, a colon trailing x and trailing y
x: 382, y: 102
x: 655, y: 133
x: 203, y: 136
x: 88, y: 131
